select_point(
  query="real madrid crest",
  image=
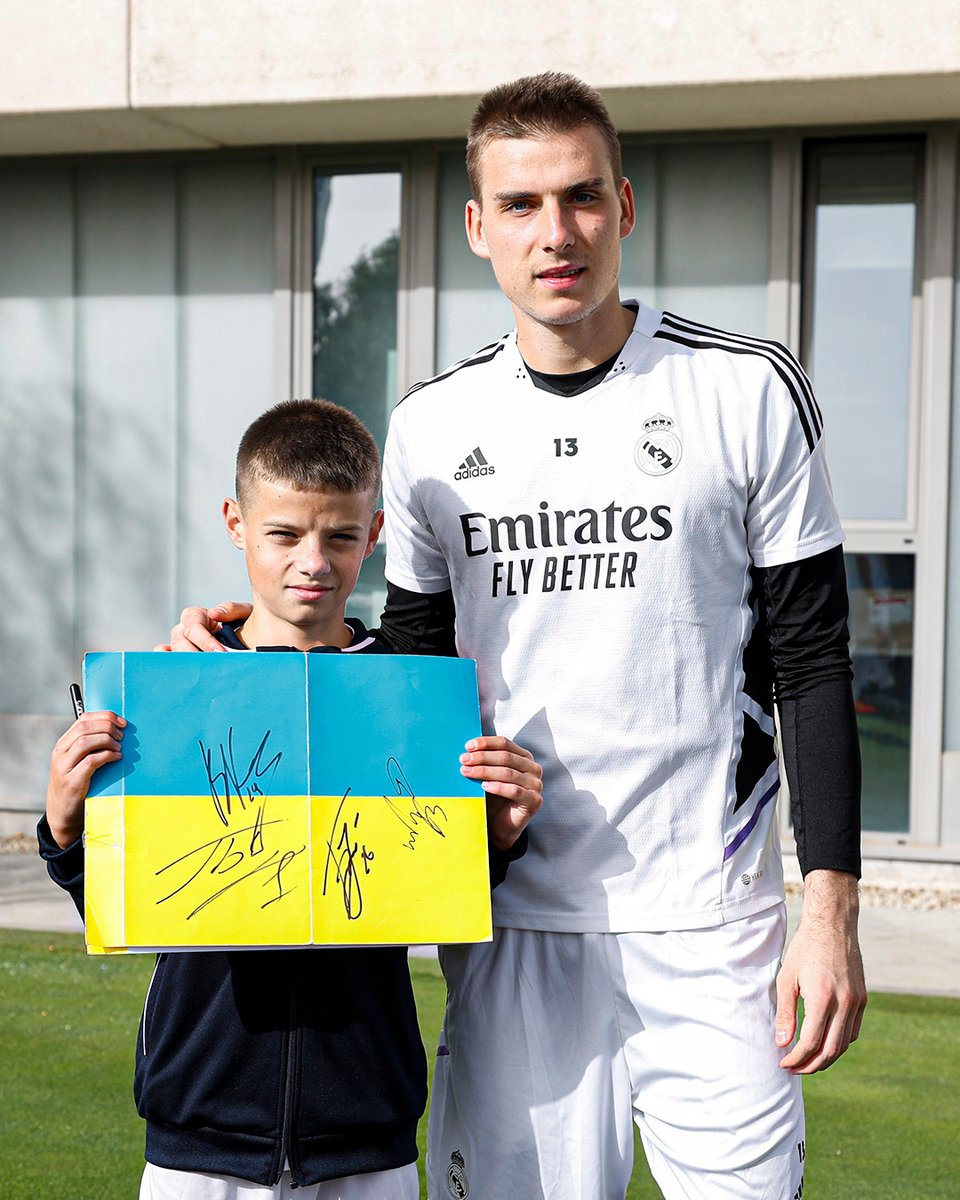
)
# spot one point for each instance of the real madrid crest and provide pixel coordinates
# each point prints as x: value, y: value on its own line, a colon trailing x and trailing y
x: 457, y: 1184
x: 659, y: 450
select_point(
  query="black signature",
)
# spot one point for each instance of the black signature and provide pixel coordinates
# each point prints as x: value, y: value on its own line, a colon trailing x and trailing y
x: 420, y: 817
x: 223, y: 857
x: 240, y: 853
x: 343, y: 850
x: 227, y: 783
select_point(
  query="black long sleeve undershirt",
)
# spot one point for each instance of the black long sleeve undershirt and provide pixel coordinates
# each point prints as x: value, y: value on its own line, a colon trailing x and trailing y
x: 804, y: 610
x: 418, y: 622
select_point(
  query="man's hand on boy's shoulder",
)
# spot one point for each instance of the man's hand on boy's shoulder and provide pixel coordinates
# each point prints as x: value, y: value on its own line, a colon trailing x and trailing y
x: 197, y: 626
x: 513, y: 782
x: 92, y: 741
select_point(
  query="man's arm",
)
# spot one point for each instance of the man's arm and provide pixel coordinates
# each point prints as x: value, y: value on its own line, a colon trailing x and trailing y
x: 197, y: 626
x: 805, y: 608
x: 419, y: 622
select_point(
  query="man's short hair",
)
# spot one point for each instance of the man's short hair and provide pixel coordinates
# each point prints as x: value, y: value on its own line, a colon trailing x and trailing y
x: 311, y: 446
x: 537, y: 106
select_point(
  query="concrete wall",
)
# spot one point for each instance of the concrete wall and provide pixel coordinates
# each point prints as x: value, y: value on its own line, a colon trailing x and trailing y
x: 25, y: 745
x: 88, y: 75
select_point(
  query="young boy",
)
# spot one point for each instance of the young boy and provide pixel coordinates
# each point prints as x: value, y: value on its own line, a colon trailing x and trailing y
x: 261, y: 1071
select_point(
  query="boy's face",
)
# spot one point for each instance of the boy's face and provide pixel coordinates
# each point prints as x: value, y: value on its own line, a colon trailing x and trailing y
x: 551, y: 220
x: 303, y: 552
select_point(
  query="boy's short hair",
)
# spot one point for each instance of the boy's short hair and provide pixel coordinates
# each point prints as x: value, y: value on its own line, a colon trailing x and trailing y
x: 537, y: 106
x: 310, y: 445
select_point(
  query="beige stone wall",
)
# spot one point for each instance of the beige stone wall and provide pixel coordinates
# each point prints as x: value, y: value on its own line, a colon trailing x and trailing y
x: 123, y: 74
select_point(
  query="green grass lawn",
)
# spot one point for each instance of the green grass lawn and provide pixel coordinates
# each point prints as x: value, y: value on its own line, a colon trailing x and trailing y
x: 880, y: 1122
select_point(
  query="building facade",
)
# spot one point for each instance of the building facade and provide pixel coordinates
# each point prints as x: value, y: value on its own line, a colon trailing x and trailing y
x: 207, y: 208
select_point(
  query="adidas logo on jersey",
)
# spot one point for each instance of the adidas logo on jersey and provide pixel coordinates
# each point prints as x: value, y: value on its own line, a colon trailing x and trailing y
x: 474, y: 465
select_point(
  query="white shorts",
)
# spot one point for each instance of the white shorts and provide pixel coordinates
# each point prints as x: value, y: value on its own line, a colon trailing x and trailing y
x: 554, y: 1043
x: 160, y: 1183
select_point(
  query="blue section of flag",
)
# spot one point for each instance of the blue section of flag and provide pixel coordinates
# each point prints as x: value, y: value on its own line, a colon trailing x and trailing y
x: 210, y: 723
x: 373, y: 717
x: 234, y: 726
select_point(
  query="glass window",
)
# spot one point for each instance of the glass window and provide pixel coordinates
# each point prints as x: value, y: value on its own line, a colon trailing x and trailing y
x: 861, y: 236
x: 702, y: 239
x: 700, y: 246
x: 355, y: 262
x: 881, y: 627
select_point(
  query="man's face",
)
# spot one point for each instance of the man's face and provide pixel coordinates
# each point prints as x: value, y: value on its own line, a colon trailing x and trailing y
x: 303, y: 552
x: 550, y: 221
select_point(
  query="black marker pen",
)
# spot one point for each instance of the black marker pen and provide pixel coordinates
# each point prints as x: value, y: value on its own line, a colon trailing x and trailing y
x: 76, y: 699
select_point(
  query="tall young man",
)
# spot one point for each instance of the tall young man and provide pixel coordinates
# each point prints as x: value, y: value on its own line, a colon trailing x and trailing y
x: 629, y: 517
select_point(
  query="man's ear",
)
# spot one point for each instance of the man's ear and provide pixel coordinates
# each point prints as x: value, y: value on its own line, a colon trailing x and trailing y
x: 473, y: 221
x: 628, y: 208
x: 374, y: 535
x: 233, y: 519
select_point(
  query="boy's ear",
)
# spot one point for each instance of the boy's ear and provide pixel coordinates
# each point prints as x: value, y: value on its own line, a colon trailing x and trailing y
x: 233, y: 519
x: 373, y: 536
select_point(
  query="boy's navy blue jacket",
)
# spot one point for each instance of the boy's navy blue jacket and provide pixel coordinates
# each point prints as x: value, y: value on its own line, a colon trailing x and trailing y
x: 246, y: 1059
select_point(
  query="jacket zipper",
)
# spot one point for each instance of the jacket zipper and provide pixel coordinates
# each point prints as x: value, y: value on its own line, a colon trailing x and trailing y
x: 292, y: 1071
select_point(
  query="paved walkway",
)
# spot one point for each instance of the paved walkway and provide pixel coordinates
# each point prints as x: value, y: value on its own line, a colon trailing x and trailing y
x: 904, y: 950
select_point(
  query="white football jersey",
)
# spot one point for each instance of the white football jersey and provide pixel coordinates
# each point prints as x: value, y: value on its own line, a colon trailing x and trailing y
x: 599, y: 548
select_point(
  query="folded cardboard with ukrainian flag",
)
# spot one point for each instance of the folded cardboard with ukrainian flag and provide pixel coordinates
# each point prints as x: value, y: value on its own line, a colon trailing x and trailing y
x: 285, y: 800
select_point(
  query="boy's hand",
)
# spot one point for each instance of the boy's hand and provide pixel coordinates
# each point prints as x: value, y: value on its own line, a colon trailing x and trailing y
x: 92, y: 741
x: 513, y: 781
x: 198, y: 625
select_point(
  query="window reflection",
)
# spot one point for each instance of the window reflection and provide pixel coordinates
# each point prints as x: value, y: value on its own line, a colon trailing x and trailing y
x: 881, y: 626
x: 862, y: 231
x: 700, y: 245
x: 355, y: 255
